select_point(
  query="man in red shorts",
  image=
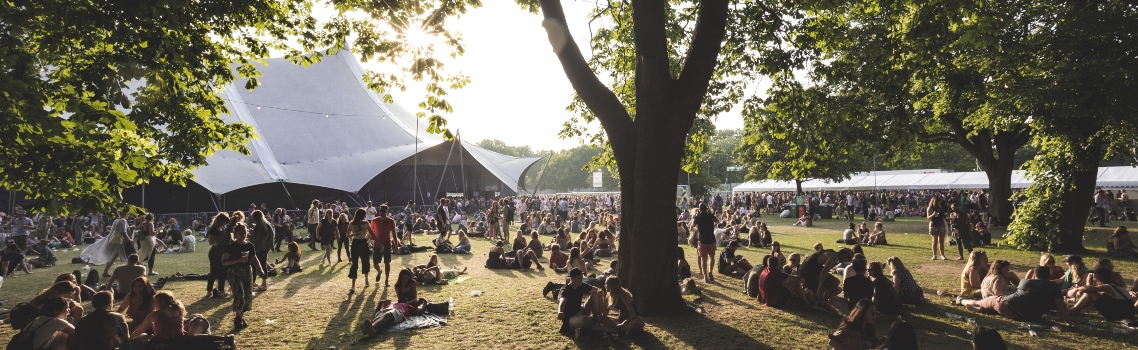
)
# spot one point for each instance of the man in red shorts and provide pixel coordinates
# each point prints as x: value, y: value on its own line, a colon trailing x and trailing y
x: 704, y: 223
x: 383, y: 239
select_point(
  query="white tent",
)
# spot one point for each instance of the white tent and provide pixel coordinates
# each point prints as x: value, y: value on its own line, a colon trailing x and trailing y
x: 1108, y: 177
x: 321, y: 126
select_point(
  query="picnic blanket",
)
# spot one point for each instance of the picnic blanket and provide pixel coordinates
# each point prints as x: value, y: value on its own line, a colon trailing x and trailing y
x: 426, y: 320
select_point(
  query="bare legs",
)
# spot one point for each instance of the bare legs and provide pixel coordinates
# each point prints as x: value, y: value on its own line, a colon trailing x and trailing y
x: 938, y: 242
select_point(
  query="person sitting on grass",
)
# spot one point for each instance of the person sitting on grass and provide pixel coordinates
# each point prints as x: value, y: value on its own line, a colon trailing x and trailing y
x: 389, y: 314
x: 406, y: 287
x: 166, y: 323
x: 557, y: 260
x: 293, y: 258
x: 987, y: 339
x: 46, y: 257
x: 523, y: 259
x: 1075, y: 276
x: 877, y: 237
x: 857, y: 331
x: 620, y: 300
x: 1109, y: 298
x: 1033, y: 298
x: 973, y: 275
x: 731, y: 264
x: 777, y: 288
x: 821, y: 286
x: 102, y: 328
x: 849, y: 236
x: 1120, y: 245
x: 857, y: 286
x: 12, y: 260
x: 52, y: 328
x: 139, y: 302
x: 683, y: 269
x: 884, y: 295
x: 534, y: 244
x: 776, y: 251
x: 792, y: 264
x: 463, y: 246
x: 569, y: 303
x: 65, y: 289
x: 1000, y: 280
x: 1047, y: 260
x: 907, y: 288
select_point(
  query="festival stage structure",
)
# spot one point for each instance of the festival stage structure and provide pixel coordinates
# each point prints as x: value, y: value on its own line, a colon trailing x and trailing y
x: 322, y: 134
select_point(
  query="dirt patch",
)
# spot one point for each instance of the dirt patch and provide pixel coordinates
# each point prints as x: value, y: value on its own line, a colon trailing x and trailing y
x: 940, y: 268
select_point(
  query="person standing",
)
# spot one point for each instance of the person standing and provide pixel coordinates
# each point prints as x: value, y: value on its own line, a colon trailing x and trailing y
x: 117, y: 242
x: 342, y: 236
x: 442, y: 217
x: 20, y: 226
x: 370, y: 212
x: 326, y: 232
x: 493, y: 216
x: 1101, y: 206
x: 705, y: 226
x: 282, y: 228
x: 935, y: 214
x: 263, y: 237
x: 148, y: 242
x: 358, y: 231
x: 218, y: 240
x: 383, y: 239
x: 313, y: 221
x: 240, y: 257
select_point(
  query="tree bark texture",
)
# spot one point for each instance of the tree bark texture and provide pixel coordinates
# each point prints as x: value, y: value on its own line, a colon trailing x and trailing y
x: 1078, y: 201
x: 649, y: 148
x: 995, y: 153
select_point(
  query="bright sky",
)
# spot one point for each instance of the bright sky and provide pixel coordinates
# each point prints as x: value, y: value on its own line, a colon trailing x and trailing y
x: 518, y: 91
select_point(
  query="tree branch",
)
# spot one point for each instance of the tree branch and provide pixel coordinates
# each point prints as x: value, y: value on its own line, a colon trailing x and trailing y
x: 598, y: 97
x: 702, y: 56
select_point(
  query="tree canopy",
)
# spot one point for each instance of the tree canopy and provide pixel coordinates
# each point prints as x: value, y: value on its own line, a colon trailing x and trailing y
x: 100, y: 97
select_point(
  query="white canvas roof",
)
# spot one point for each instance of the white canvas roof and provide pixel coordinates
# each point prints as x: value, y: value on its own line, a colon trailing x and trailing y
x: 1108, y: 177
x: 322, y: 126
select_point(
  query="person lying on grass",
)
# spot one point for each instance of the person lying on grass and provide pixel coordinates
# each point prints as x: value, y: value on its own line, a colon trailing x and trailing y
x: 389, y: 314
x: 1033, y: 298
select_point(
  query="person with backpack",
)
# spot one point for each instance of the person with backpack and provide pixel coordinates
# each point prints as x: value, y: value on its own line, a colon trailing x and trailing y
x: 48, y: 331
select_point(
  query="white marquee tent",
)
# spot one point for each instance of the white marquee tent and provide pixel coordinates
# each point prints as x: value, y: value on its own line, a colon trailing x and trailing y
x: 1121, y: 177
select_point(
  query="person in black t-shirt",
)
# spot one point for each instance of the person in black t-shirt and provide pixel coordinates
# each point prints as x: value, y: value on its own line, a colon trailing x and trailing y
x: 858, y: 286
x: 883, y: 293
x: 240, y: 256
x: 729, y: 263
x: 704, y: 223
x: 569, y: 303
x: 442, y: 218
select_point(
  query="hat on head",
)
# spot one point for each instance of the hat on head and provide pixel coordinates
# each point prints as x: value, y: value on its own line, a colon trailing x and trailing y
x: 1072, y: 259
x: 576, y: 272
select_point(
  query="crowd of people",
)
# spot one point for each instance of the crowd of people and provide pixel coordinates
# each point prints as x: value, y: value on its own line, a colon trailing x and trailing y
x: 572, y: 234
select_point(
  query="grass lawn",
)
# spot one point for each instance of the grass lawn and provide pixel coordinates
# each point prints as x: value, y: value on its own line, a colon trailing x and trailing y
x: 312, y: 310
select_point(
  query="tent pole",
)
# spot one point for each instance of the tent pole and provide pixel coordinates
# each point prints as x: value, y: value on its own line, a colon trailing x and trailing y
x: 290, y: 201
x: 461, y: 164
x: 213, y: 200
x: 541, y: 174
x: 443, y: 176
x: 415, y: 171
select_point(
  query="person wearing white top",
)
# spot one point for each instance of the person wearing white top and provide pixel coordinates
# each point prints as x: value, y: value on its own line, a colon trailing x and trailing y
x: 370, y: 212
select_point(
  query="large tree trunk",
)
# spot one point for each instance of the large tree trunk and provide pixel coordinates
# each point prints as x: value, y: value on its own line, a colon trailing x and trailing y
x: 648, y: 149
x: 1000, y: 192
x: 647, y: 244
x: 1078, y: 201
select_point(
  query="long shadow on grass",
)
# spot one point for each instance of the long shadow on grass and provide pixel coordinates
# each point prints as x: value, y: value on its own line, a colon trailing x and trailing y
x: 697, y: 331
x: 312, y: 277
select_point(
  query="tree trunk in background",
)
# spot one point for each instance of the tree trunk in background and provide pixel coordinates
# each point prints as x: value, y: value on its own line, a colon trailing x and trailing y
x: 1000, y: 191
x: 1078, y: 201
x: 798, y: 186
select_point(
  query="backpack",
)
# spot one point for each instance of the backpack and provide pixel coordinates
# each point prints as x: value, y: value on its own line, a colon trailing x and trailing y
x: 25, y: 339
x: 21, y: 315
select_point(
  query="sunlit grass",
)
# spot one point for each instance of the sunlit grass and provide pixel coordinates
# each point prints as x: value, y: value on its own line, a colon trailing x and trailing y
x: 312, y: 310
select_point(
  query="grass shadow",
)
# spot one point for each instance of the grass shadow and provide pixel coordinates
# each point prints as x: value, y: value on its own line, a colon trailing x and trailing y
x: 698, y: 331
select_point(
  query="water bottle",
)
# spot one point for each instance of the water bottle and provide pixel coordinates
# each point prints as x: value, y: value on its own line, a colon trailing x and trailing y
x: 1117, y: 330
x: 953, y: 316
x: 450, y: 306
